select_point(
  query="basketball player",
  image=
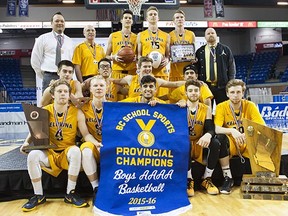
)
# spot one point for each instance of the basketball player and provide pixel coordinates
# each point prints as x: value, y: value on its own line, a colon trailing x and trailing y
x: 154, y: 39
x: 87, y: 54
x: 93, y: 111
x: 65, y: 72
x: 112, y: 89
x: 148, y: 91
x: 119, y: 39
x: 179, y: 36
x: 145, y: 68
x: 202, y: 138
x: 190, y: 72
x: 63, y: 121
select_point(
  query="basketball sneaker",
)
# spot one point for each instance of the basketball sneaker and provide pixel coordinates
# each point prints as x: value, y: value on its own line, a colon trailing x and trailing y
x: 209, y: 186
x: 33, y: 202
x: 190, y: 187
x: 75, y: 200
x: 227, y: 185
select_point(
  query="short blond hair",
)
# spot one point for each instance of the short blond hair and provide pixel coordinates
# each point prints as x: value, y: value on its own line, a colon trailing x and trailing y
x: 152, y: 8
x: 236, y: 82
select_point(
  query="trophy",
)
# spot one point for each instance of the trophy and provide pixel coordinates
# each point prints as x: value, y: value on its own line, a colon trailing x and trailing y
x: 38, y: 123
x: 264, y: 147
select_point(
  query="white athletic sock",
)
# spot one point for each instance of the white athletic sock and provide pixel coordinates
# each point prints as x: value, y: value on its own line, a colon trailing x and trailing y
x: 208, y: 173
x: 226, y: 171
x: 71, y: 185
x: 95, y: 183
x: 37, y: 187
x: 189, y: 174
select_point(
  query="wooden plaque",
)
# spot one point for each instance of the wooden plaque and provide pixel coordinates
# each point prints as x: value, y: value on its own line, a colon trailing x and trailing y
x: 38, y: 123
x: 264, y: 147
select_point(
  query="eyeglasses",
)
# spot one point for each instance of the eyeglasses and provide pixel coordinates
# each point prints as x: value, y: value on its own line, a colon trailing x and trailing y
x: 104, y: 66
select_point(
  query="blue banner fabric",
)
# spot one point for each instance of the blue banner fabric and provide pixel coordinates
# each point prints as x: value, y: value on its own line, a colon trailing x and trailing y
x: 144, y: 160
x: 23, y: 8
x: 275, y: 115
x: 11, y: 7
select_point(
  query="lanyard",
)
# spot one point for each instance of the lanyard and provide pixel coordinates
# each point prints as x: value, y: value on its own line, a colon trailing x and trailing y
x: 192, y: 122
x: 178, y: 38
x: 98, y: 126
x: 125, y: 39
x: 94, y: 49
x: 59, y: 132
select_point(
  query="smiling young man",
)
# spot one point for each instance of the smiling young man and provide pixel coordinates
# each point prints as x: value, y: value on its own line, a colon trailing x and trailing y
x: 63, y: 123
x: 43, y: 56
x: 145, y: 68
x: 148, y: 91
x: 93, y: 111
x: 65, y: 72
x: 87, y: 55
x: 119, y: 39
x: 179, y: 36
x: 154, y: 39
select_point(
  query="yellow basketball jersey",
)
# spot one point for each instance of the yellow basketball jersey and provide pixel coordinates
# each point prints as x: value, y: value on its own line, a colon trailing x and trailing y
x: 179, y: 94
x: 196, y: 131
x: 65, y: 128
x: 94, y: 124
x: 225, y: 118
x: 154, y: 42
x: 134, y: 88
x: 111, y: 92
x: 73, y: 87
x: 88, y: 57
x: 176, y: 69
x: 119, y: 41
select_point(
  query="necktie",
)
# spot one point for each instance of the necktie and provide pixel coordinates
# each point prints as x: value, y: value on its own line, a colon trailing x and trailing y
x: 212, y: 59
x: 58, y: 49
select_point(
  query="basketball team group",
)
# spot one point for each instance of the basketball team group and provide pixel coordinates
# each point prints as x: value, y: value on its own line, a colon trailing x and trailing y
x: 151, y: 67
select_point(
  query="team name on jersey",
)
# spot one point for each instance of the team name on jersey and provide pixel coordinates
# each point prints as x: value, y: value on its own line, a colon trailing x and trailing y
x: 232, y: 123
x: 125, y: 43
x: 91, y: 120
x: 60, y: 124
x: 153, y: 39
x: 198, y: 122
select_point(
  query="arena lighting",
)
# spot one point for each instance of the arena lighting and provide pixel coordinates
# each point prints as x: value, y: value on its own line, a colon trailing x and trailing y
x: 282, y: 3
x: 183, y: 1
x: 68, y: 1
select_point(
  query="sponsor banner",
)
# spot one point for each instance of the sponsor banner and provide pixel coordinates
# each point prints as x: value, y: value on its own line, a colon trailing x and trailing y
x: 219, y: 8
x: 187, y: 24
x: 11, y: 7
x: 232, y: 24
x: 13, y: 125
x: 144, y: 160
x: 208, y: 8
x: 275, y: 115
x: 24, y: 8
x: 272, y: 24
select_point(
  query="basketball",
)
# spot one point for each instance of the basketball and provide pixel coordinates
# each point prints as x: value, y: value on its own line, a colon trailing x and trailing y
x: 126, y: 54
x: 156, y: 57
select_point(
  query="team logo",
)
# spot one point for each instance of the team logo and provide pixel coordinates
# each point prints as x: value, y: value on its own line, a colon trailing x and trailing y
x: 145, y: 137
x: 34, y: 115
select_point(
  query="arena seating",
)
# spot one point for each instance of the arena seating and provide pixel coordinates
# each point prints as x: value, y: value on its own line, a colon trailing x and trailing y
x: 284, y: 77
x: 12, y: 81
x: 262, y: 65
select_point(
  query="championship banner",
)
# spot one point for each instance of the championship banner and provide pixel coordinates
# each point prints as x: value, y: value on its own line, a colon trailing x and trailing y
x: 11, y: 7
x: 219, y: 8
x: 144, y: 160
x: 275, y: 115
x: 23, y: 8
x: 208, y: 8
